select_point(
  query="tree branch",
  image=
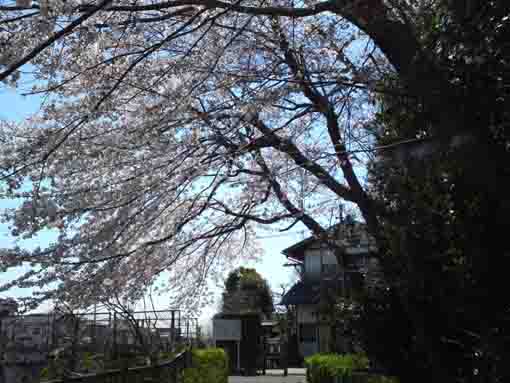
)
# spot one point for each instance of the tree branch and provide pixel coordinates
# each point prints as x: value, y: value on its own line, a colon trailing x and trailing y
x: 307, y: 220
x: 301, y: 160
x: 50, y: 41
x: 211, y: 4
x: 323, y: 105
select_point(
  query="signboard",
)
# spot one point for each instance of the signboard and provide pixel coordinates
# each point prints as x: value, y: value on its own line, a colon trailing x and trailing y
x: 227, y: 329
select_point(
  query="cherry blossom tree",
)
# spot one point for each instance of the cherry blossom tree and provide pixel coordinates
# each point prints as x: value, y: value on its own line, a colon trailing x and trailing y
x: 164, y: 139
x: 169, y: 129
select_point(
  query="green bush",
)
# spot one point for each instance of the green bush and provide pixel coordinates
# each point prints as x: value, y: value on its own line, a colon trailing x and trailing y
x: 325, y: 368
x: 334, y: 368
x: 209, y: 365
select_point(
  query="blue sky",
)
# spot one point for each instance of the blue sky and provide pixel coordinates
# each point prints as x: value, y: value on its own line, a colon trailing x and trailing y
x: 13, y: 106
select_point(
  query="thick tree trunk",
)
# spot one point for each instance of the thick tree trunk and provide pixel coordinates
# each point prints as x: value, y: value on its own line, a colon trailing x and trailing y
x: 395, y: 39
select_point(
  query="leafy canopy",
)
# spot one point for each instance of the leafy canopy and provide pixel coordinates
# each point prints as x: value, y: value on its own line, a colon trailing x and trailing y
x: 247, y: 284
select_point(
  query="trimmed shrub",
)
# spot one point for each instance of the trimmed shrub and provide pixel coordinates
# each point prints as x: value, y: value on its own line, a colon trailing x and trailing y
x: 209, y: 365
x: 334, y: 368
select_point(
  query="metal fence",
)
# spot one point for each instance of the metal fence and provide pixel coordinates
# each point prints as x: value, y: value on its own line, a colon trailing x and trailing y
x: 104, y: 332
x: 30, y: 343
x: 168, y: 372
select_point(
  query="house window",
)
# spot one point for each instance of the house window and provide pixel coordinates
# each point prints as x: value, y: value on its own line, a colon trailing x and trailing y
x: 307, y: 332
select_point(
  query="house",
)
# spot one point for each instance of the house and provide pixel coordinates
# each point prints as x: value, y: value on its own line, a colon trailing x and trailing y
x: 24, y: 344
x: 322, y: 273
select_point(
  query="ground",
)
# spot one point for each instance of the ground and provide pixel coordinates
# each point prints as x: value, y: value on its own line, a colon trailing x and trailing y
x: 296, y: 375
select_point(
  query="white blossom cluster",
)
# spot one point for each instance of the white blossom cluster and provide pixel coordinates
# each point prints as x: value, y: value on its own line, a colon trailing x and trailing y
x: 163, y: 138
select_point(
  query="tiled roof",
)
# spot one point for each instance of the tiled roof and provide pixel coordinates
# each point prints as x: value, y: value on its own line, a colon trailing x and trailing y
x: 301, y: 293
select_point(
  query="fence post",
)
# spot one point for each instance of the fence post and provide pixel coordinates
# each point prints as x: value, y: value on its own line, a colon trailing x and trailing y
x: 284, y: 355
x: 114, y: 336
x: 172, y: 331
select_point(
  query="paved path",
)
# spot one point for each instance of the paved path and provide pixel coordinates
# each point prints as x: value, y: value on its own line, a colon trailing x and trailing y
x: 296, y: 375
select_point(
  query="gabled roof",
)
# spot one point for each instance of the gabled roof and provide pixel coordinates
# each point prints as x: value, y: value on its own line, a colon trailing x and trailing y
x: 301, y: 294
x: 296, y: 251
x: 298, y: 246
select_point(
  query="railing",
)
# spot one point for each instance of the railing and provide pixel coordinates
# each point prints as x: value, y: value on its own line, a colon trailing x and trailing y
x: 168, y: 372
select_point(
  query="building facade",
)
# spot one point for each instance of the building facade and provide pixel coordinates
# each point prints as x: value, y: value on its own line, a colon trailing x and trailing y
x: 338, y: 267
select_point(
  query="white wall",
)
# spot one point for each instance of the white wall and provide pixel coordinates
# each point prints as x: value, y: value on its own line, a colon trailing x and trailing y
x: 315, y: 258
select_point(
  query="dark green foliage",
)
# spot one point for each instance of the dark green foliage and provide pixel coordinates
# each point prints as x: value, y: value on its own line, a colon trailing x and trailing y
x: 247, y: 281
x: 446, y: 315
x: 332, y: 368
x: 232, y: 283
x: 244, y: 278
x: 210, y: 365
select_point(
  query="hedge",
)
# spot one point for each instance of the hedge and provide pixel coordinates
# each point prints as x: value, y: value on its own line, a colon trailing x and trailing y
x: 209, y: 365
x: 334, y: 368
x: 328, y: 368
